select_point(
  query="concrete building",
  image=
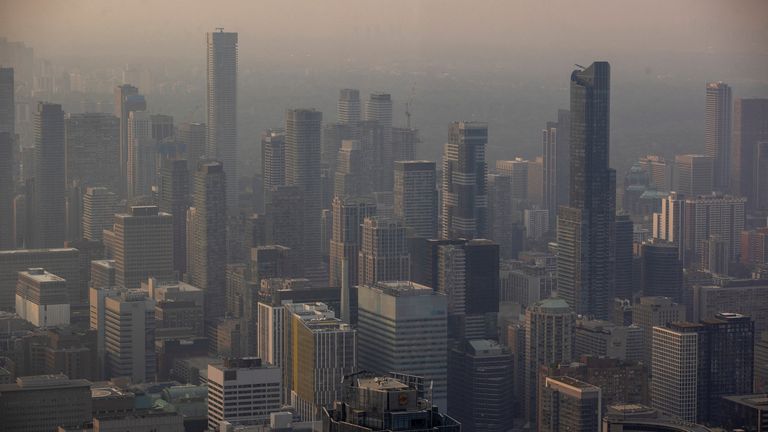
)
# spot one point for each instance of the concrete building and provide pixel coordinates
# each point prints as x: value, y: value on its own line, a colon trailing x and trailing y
x: 194, y: 135
x: 479, y: 378
x: 99, y: 208
x: 92, y: 141
x: 749, y: 297
x: 569, y: 404
x: 415, y: 196
x: 675, y: 359
x: 127, y: 99
x: 273, y: 159
x: 717, y: 132
x: 604, y: 339
x: 48, y: 213
x: 8, y: 166
x: 43, y: 403
x: 242, y: 392
x: 464, y: 211
x: 383, y: 252
x: 63, y: 262
x: 694, y: 174
x: 173, y: 198
x: 129, y: 323
x: 652, y: 312
x: 179, y: 309
x: 319, y: 351
x: 750, y: 127
x: 556, y: 138
x: 221, y: 105
x: 662, y: 271
x: 142, y: 154
x: 42, y: 298
x: 536, y: 222
x: 270, y: 348
x: 403, y: 327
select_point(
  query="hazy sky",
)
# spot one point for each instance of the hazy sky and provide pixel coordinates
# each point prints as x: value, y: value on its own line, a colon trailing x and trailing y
x: 176, y: 27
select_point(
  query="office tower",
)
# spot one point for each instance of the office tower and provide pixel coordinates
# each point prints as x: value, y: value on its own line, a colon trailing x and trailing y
x: 102, y: 273
x: 668, y: 224
x: 252, y: 406
x: 129, y: 322
x: 127, y: 99
x: 585, y: 229
x: 194, y: 136
x: 525, y: 284
x: 386, y: 403
x: 761, y: 361
x: 760, y: 195
x: 658, y: 171
x: 714, y: 255
x: 73, y: 202
x: 99, y: 208
x: 45, y: 402
x: 464, y: 211
x: 747, y: 297
x: 569, y: 404
x: 415, y: 197
x: 694, y: 174
x: 383, y: 252
x: 63, y: 262
x: 333, y: 135
x: 42, y: 298
x: 536, y: 182
x: 721, y: 215
x: 348, y: 107
x: 270, y: 348
x: 7, y: 167
x: 378, y: 159
x: 674, y: 362
x: 652, y: 312
x: 92, y: 145
x: 48, y: 212
x: 624, y: 256
x: 302, y: 170
x: 604, y: 339
x: 503, y: 219
x: 745, y: 412
x: 717, y: 133
x: 378, y: 108
x: 221, y: 102
x: 403, y: 327
x: 517, y: 171
x: 272, y: 159
x: 556, y: 164
x: 284, y: 221
x: 7, y: 104
x: 404, y: 142
x: 141, y: 154
x: 173, y: 198
x: 142, y: 242
x: 179, y: 309
x: 479, y: 378
x: 97, y: 296
x: 662, y: 271
x: 536, y: 223
x: 750, y: 127
x: 348, y: 217
x: 754, y: 246
x: 208, y: 253
x: 351, y: 178
x: 319, y: 351
x: 549, y: 326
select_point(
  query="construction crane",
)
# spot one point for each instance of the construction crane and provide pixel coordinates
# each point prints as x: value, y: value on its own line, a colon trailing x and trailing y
x: 408, y: 107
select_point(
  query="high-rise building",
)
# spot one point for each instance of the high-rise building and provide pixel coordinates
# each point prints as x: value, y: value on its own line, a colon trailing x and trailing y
x: 624, y: 256
x: 717, y: 133
x: 415, y: 197
x: 273, y: 159
x: 525, y: 284
x: 585, y: 229
x: 536, y: 182
x: 333, y: 135
x: 44, y: 403
x: 403, y: 327
x: 42, y: 298
x: 569, y: 404
x: 179, y: 309
x: 302, y: 170
x: 536, y: 223
x: 503, y: 217
x: 747, y: 297
x: 556, y: 166
x: 378, y: 108
x: 693, y: 176
x: 127, y: 99
x: 63, y: 262
x: 7, y: 188
x: 173, y: 198
x: 221, y: 102
x: 348, y: 108
x: 750, y: 127
x: 652, y: 312
x: 549, y: 327
x: 721, y: 215
x: 658, y: 170
x: 243, y: 392
x: 270, y: 341
x: 404, y: 142
x: 479, y: 378
x: 346, y: 238
x: 517, y: 171
x: 715, y: 257
x: 675, y: 358
x: 141, y: 154
x: 662, y: 271
x: 320, y: 350
x: 129, y: 322
x: 351, y: 177
x: 7, y: 101
x: 193, y: 135
x: 754, y: 246
x: 383, y: 252
x: 92, y: 143
x: 604, y: 339
x: 99, y: 208
x: 207, y: 242
x: 141, y: 242
x: 464, y: 211
x: 48, y: 207
x: 760, y: 195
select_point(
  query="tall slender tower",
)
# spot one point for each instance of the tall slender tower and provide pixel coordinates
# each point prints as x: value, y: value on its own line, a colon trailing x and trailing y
x: 7, y: 105
x: 465, y: 199
x: 717, y: 132
x: 585, y: 229
x: 173, y: 198
x: 208, y: 242
x: 383, y: 252
x: 127, y: 99
x: 302, y: 169
x: 221, y: 97
x: 348, y: 108
x: 415, y: 196
x: 348, y: 217
x: 193, y: 135
x: 750, y: 128
x: 273, y: 159
x: 7, y: 163
x: 556, y: 141
x: 48, y: 213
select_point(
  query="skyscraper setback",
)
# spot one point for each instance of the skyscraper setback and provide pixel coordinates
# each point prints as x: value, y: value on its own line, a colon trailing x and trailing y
x: 717, y: 132
x: 585, y: 231
x: 221, y: 98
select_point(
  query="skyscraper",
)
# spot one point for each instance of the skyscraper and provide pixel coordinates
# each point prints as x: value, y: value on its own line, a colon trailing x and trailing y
x: 7, y: 165
x: 42, y: 298
x: 694, y: 174
x: 662, y: 273
x: 750, y: 127
x: 717, y: 133
x: 48, y: 212
x: 208, y: 264
x: 173, y: 198
x: 568, y: 404
x: 351, y: 178
x: 585, y: 231
x: 383, y: 252
x: 378, y: 108
x: 624, y: 256
x: 272, y: 159
x: 403, y: 327
x: 675, y: 359
x: 7, y: 104
x: 99, y: 208
x: 302, y: 169
x: 193, y: 135
x: 464, y: 196
x: 556, y: 166
x: 92, y: 143
x: 416, y: 197
x: 346, y: 238
x: 650, y: 312
x: 141, y: 154
x: 129, y: 322
x: 721, y: 215
x: 221, y: 102
x: 348, y: 108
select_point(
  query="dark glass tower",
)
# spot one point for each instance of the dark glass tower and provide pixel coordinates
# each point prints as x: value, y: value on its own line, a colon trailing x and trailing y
x: 49, y: 211
x: 586, y: 227
x: 173, y: 198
